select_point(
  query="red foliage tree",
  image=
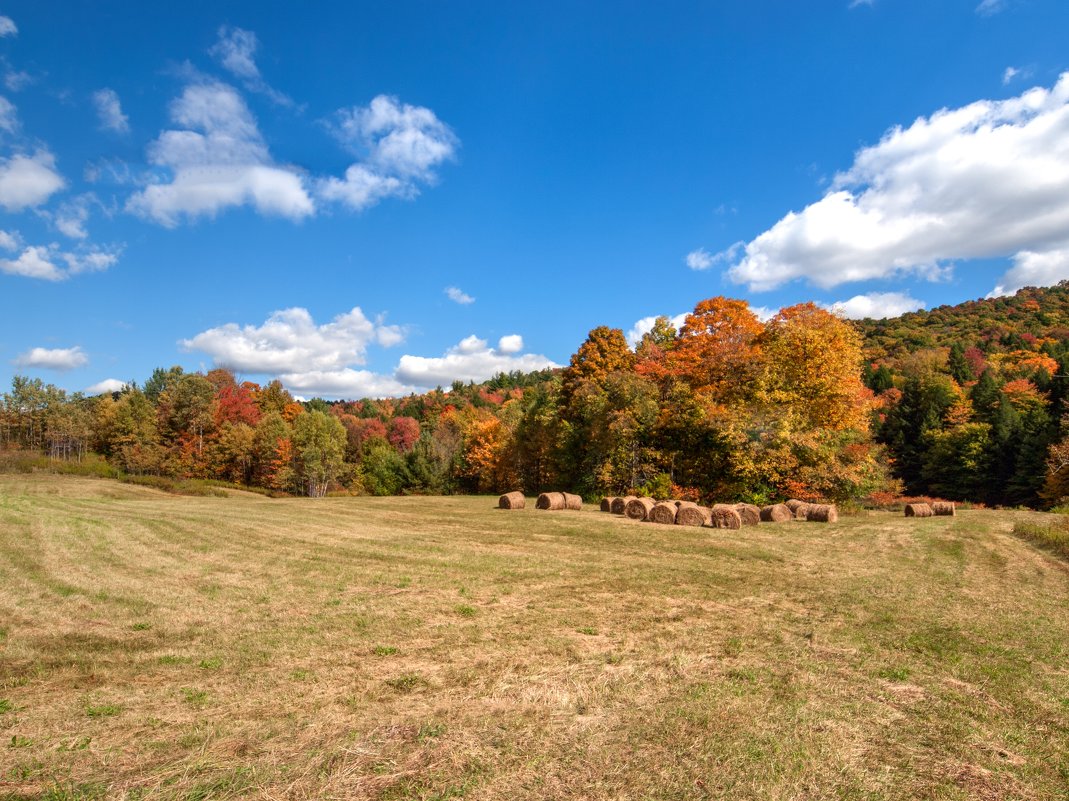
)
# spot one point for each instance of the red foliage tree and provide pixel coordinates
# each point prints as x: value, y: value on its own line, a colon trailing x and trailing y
x: 403, y: 434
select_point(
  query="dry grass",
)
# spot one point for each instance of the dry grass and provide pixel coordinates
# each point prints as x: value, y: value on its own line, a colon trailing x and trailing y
x: 163, y: 647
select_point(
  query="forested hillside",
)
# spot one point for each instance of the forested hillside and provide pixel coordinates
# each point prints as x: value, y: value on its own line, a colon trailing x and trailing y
x: 962, y: 402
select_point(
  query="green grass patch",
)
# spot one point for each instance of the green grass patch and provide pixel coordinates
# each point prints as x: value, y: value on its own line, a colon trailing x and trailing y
x: 103, y: 710
x: 1052, y: 537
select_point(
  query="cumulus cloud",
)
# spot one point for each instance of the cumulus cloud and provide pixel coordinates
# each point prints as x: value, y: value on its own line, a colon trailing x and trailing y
x: 236, y: 52
x: 345, y: 383
x: 512, y: 343
x: 702, y: 259
x: 7, y: 27
x: 988, y: 8
x: 216, y: 159
x: 49, y: 263
x: 17, y: 80
x: 27, y: 181
x: 470, y: 360
x: 9, y: 118
x: 402, y: 146
x: 645, y: 325
x: 107, y: 386
x: 53, y: 358
x: 9, y: 241
x: 459, y: 296
x: 987, y: 180
x: 290, y: 342
x: 1032, y: 268
x: 72, y: 217
x: 313, y: 359
x: 109, y: 111
x: 876, y: 305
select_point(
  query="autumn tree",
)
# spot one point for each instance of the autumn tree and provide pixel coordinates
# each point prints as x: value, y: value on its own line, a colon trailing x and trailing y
x: 717, y: 350
x: 605, y: 351
x: 319, y: 441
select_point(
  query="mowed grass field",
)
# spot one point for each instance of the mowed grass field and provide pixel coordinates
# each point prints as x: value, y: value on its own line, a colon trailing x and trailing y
x: 164, y: 647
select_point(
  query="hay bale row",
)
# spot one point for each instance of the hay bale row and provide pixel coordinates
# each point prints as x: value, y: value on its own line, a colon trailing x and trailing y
x: 664, y: 513
x: 690, y: 514
x: 639, y: 508
x: 776, y: 513
x: 750, y: 514
x: 606, y: 504
x: 943, y: 509
x: 550, y: 501
x: 557, y: 501
x: 618, y: 505
x: 512, y: 500
x: 822, y: 513
x: 918, y: 510
x: 724, y: 516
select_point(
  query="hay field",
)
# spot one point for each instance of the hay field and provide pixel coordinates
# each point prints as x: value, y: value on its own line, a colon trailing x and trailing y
x: 162, y: 647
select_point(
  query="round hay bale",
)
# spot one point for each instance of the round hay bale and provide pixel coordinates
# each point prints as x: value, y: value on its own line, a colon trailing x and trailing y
x: 606, y: 504
x: 664, y: 513
x: 750, y: 514
x: 776, y: 513
x: 639, y: 508
x: 943, y: 509
x: 572, y: 502
x: 512, y: 500
x: 724, y: 516
x: 690, y: 514
x: 918, y: 510
x: 619, y: 504
x: 822, y: 513
x: 793, y: 504
x: 550, y: 501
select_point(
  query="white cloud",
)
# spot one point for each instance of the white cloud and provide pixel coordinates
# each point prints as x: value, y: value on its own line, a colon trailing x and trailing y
x: 470, y: 360
x: 236, y: 51
x: 7, y: 27
x: 459, y: 296
x: 109, y: 111
x: 53, y: 358
x: 402, y: 144
x: 217, y: 160
x: 988, y: 8
x: 345, y: 383
x: 1009, y: 75
x: 876, y: 305
x: 9, y: 118
x: 511, y: 343
x: 290, y: 342
x: 1034, y: 269
x: 987, y: 180
x: 70, y: 218
x: 702, y: 259
x: 764, y: 313
x: 34, y: 262
x: 16, y: 80
x: 645, y: 325
x: 49, y: 263
x: 9, y: 241
x: 856, y: 3
x: 28, y: 180
x: 107, y: 386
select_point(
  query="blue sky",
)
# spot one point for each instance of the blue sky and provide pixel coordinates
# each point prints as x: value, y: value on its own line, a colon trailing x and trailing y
x: 366, y: 199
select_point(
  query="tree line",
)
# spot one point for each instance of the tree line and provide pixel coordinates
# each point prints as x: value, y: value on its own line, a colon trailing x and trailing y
x: 728, y: 407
